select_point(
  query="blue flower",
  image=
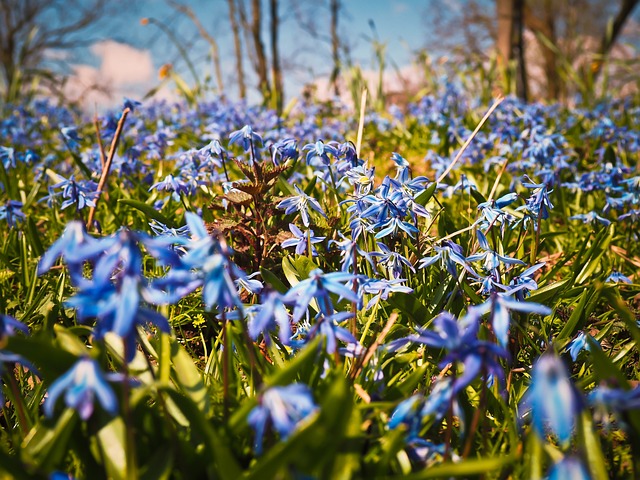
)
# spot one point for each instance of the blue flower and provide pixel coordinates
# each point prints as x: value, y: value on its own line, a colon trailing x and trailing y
x: 538, y: 205
x: 319, y: 151
x: 500, y: 305
x: 524, y: 282
x: 301, y: 203
x: 349, y: 252
x: 12, y: 212
x: 301, y: 240
x: 591, y: 217
x: 617, y: 277
x: 70, y: 136
x: 459, y: 339
x: 8, y: 157
x: 569, y: 468
x: 83, y: 383
x: 578, y: 344
x: 131, y: 104
x: 412, y: 411
x: 75, y: 247
x: 615, y: 399
x: 319, y: 285
x: 172, y: 184
x: 392, y: 261
x: 283, y: 150
x: 271, y: 312
x: 245, y: 137
x: 9, y: 325
x: 552, y: 399
x: 81, y: 194
x: 382, y: 288
x: 492, y: 259
x: 362, y: 178
x: 282, y: 407
x: 327, y: 326
x: 211, y: 264
x: 448, y: 255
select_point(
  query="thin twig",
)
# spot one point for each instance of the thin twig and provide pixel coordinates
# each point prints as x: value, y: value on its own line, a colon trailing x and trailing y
x: 497, y: 102
x: 358, y: 366
x: 107, y: 165
x: 363, y: 107
x: 100, y: 144
x: 495, y: 184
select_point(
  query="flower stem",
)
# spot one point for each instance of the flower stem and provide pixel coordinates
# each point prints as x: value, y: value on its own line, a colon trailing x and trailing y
x: 107, y: 165
x: 225, y: 364
x: 132, y: 470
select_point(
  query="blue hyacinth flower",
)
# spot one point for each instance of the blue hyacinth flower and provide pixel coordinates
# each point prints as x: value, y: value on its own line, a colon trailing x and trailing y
x: 569, y: 468
x: 282, y: 407
x: 301, y: 240
x: 83, y: 383
x: 552, y: 399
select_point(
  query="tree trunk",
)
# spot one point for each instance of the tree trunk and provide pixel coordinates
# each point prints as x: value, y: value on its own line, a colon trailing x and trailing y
x: 505, y: 30
x: 546, y: 28
x: 610, y: 36
x: 335, y: 46
x: 517, y: 50
x: 237, y: 46
x: 261, y: 58
x: 276, y: 71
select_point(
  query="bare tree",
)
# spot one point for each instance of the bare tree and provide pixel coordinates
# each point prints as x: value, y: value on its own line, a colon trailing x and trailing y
x: 611, y: 35
x: 215, y: 51
x: 34, y: 31
x: 504, y: 11
x: 276, y: 70
x: 237, y: 46
x: 260, y: 55
x: 334, y: 8
x: 544, y: 25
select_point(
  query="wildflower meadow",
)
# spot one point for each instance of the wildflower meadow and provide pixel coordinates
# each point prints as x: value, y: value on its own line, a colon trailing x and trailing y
x: 215, y: 290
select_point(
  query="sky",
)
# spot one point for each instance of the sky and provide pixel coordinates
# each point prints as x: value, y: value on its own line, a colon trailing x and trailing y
x: 127, y: 55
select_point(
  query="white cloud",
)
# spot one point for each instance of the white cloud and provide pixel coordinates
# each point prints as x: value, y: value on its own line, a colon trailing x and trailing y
x: 123, y: 64
x: 123, y: 71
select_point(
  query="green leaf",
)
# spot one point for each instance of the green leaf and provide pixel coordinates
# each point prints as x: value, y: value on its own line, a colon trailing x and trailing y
x: 411, y: 306
x: 304, y: 266
x: 149, y: 211
x: 592, y: 448
x: 478, y: 197
x: 226, y: 466
x: 111, y: 439
x: 603, y: 368
x: 549, y: 291
x: 423, y: 197
x: 468, y: 467
x: 578, y: 314
x: 623, y: 311
x: 594, y: 254
x: 309, y: 187
x: 271, y: 278
x: 290, y: 271
x: 44, y: 447
x: 304, y: 359
x: 160, y: 466
x: 534, y: 457
x: 188, y: 377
